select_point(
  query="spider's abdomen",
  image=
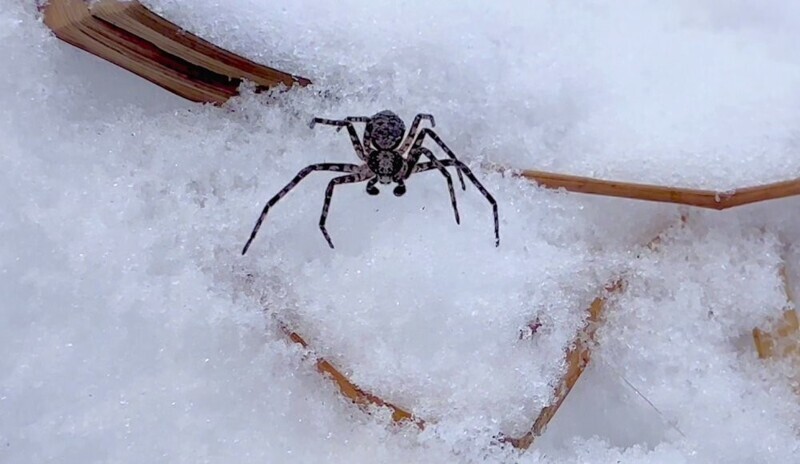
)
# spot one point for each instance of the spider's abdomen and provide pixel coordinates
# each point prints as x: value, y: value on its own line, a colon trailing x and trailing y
x: 385, y: 163
x: 385, y: 130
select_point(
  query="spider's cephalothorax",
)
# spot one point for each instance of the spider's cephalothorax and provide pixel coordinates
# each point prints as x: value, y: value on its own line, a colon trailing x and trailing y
x: 387, y: 165
x: 388, y: 155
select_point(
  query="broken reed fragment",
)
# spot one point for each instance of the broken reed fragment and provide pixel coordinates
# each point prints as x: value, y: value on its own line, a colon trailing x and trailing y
x: 782, y: 341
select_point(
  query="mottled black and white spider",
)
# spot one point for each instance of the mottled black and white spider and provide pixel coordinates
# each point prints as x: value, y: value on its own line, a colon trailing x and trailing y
x: 389, y: 155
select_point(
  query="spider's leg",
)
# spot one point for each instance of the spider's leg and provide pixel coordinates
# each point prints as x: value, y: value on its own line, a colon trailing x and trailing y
x: 438, y: 140
x: 348, y: 179
x: 355, y: 119
x: 412, y: 131
x: 365, y: 139
x: 371, y: 189
x: 363, y: 119
x: 412, y: 163
x: 421, y: 167
x: 351, y: 130
x: 337, y: 167
x: 400, y: 190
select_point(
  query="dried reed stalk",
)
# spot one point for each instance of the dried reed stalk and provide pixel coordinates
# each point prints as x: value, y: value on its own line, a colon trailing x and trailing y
x: 349, y: 389
x: 680, y: 196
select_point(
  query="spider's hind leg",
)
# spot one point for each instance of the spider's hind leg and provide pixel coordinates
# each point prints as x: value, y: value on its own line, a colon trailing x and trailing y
x: 336, y: 167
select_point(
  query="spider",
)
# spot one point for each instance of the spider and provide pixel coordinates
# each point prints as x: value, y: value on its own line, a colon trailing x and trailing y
x: 389, y: 156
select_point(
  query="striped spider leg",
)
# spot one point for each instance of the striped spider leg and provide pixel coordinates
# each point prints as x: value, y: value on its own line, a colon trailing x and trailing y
x: 357, y: 174
x: 351, y: 130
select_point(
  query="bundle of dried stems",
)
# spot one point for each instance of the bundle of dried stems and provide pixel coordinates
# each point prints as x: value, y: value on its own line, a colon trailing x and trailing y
x: 133, y: 37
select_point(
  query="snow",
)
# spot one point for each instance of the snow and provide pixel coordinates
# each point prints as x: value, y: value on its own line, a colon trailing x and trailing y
x: 132, y: 330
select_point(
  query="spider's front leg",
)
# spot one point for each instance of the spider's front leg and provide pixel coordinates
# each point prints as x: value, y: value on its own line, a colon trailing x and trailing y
x: 411, y: 164
x: 351, y: 130
x: 337, y: 167
x: 412, y: 131
x: 364, y: 119
x: 365, y: 139
x: 438, y: 140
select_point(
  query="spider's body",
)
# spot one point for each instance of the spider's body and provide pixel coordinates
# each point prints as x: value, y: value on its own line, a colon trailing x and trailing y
x: 388, y: 156
x: 384, y: 133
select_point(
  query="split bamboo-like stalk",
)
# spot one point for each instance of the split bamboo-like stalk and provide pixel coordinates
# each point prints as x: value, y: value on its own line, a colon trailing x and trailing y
x: 134, y: 38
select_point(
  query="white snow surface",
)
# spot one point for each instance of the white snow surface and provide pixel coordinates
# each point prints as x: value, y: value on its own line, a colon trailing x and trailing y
x: 132, y: 330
